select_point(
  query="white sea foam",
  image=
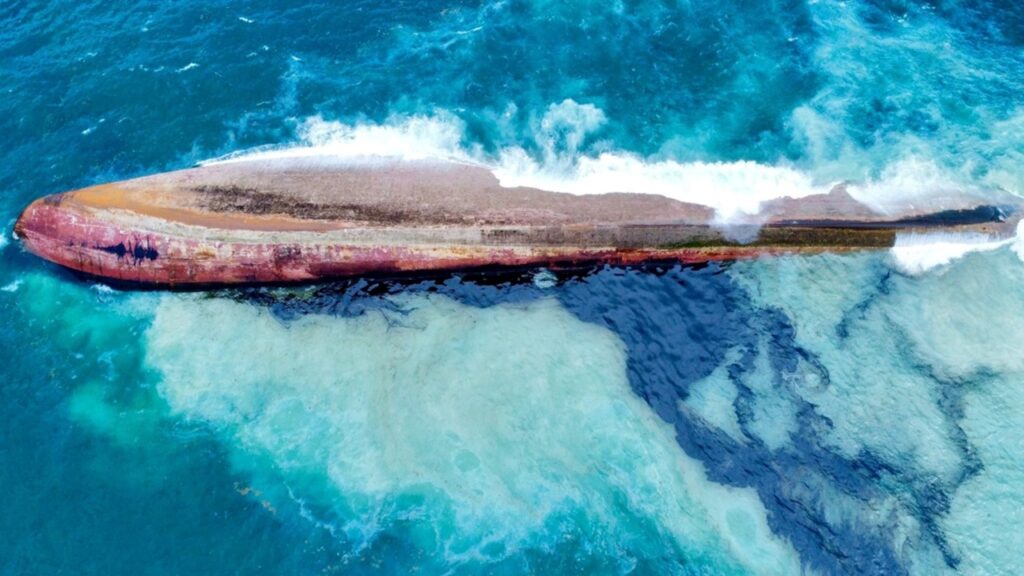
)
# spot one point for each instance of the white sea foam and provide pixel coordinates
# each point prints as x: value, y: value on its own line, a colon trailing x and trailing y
x: 101, y: 288
x: 887, y: 148
x: 731, y: 188
x: 908, y: 182
x: 187, y: 67
x: 918, y: 253
x: 909, y: 173
x: 407, y: 138
x: 11, y: 286
x: 545, y: 279
x: 563, y: 158
x: 1018, y: 243
x: 3, y: 238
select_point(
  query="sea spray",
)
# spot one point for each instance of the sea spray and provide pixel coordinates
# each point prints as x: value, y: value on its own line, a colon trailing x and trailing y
x: 734, y: 189
x: 918, y: 253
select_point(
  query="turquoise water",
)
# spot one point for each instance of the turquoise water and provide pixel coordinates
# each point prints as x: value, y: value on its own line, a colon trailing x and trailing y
x: 825, y: 415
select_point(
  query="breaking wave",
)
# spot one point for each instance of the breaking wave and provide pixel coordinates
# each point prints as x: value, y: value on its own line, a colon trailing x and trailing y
x: 732, y: 188
x: 558, y: 161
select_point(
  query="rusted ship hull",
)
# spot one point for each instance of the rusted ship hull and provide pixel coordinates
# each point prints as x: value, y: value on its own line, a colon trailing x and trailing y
x: 271, y: 222
x: 146, y: 257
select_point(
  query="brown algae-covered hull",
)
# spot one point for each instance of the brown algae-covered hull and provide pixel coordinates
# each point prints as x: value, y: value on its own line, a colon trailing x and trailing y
x: 293, y: 220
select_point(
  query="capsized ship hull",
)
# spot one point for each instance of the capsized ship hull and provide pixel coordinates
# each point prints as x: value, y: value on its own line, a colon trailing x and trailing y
x: 297, y: 220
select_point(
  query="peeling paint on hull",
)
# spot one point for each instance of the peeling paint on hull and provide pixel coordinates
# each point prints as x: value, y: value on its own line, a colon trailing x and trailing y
x: 83, y: 244
x: 162, y: 230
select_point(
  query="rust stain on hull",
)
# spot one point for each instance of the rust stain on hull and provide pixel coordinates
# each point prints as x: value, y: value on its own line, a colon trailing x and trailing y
x: 270, y: 223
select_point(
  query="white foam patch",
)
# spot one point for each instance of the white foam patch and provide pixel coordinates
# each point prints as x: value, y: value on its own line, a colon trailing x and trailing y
x: 912, y: 181
x: 406, y: 138
x: 898, y: 161
x: 731, y: 188
x: 499, y: 421
x: 545, y: 279
x: 918, y: 253
x: 561, y: 161
x: 1018, y: 243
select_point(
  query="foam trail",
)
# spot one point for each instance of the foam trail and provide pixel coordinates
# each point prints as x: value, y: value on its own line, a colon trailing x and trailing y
x: 917, y: 253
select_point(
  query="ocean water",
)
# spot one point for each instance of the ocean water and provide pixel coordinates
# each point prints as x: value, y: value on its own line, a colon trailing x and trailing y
x: 858, y: 414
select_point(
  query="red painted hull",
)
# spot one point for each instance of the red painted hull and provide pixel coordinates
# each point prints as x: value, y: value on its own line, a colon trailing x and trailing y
x: 271, y: 223
x: 91, y: 246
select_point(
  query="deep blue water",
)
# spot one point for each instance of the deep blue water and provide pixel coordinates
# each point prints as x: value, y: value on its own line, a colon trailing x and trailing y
x: 826, y: 415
